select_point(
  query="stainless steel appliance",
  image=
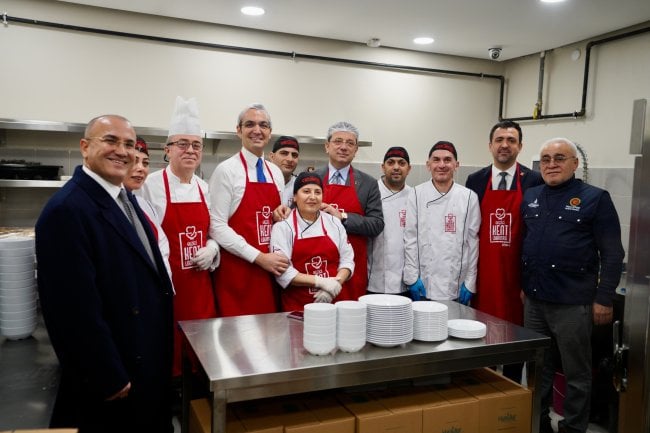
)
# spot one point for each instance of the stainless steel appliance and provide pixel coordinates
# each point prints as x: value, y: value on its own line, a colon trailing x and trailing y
x: 632, y: 350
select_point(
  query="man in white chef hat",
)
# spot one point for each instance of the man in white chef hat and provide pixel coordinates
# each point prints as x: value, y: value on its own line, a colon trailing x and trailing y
x: 182, y: 201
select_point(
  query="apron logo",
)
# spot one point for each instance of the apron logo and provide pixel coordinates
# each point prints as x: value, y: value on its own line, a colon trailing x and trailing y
x: 450, y: 223
x: 264, y: 224
x: 317, y: 266
x: 500, y: 227
x: 189, y: 242
x: 402, y: 218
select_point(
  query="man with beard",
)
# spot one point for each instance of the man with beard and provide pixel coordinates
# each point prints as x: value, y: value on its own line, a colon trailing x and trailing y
x: 386, y: 251
x: 285, y: 153
x: 500, y: 188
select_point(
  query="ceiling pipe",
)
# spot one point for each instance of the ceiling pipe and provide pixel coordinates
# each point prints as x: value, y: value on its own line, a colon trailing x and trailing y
x: 585, y: 80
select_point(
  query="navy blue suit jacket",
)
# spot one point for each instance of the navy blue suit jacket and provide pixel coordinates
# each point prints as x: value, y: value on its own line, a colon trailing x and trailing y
x: 107, y: 308
x: 478, y: 180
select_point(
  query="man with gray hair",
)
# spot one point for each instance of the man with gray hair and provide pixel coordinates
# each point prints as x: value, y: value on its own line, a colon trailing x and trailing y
x: 356, y: 199
x: 571, y: 264
x: 245, y: 190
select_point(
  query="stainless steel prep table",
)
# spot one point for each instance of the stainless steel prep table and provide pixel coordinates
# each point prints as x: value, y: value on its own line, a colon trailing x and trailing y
x: 257, y: 356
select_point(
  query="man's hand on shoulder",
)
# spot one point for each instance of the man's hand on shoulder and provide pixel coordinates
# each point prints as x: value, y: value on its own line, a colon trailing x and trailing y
x: 275, y: 263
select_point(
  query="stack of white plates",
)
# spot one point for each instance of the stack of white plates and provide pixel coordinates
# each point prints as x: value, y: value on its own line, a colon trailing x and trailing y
x: 319, y: 331
x: 430, y: 321
x: 390, y: 319
x: 350, y: 325
x: 17, y: 287
x: 463, y: 328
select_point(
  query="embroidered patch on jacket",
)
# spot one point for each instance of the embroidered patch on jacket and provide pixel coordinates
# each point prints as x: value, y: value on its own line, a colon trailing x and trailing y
x: 574, y: 204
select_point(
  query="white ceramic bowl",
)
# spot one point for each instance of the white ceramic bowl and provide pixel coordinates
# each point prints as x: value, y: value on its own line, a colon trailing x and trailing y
x: 16, y: 260
x: 20, y: 298
x: 19, y: 284
x: 10, y: 308
x: 12, y: 269
x: 319, y: 309
x: 16, y: 276
x: 13, y: 242
x: 16, y: 253
x: 319, y: 348
x: 18, y: 333
x: 351, y: 306
x: 319, y: 321
x: 18, y: 314
x: 351, y: 345
x: 351, y: 321
x: 17, y: 323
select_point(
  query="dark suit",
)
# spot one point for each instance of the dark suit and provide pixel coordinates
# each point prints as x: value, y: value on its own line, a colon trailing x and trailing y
x: 108, y: 311
x: 478, y: 180
x: 368, y: 194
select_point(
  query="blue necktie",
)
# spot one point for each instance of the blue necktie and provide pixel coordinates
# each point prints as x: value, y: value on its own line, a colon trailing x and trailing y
x: 337, y: 179
x: 260, y: 171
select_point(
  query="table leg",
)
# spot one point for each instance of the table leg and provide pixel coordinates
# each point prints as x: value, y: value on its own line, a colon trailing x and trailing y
x: 537, y: 395
x: 219, y: 404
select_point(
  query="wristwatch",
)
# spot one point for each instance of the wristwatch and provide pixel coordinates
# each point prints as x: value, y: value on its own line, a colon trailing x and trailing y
x: 344, y: 217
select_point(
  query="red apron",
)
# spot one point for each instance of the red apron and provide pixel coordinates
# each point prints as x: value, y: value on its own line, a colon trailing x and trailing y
x: 345, y: 197
x: 500, y: 238
x: 186, y: 226
x: 243, y: 287
x: 312, y: 256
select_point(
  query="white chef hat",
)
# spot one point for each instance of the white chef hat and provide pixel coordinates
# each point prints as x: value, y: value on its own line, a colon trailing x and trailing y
x: 185, y: 118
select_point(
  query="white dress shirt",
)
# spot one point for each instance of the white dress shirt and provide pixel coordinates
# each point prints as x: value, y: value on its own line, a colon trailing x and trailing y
x: 227, y: 185
x: 496, y: 176
x: 344, y: 172
x: 282, y: 236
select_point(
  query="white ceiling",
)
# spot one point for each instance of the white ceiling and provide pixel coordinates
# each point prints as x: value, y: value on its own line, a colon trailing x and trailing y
x: 459, y: 27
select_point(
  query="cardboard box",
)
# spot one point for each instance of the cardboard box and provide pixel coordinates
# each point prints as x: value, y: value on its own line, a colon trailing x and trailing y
x: 201, y: 418
x: 389, y: 416
x: 499, y: 411
x: 329, y: 415
x: 458, y: 414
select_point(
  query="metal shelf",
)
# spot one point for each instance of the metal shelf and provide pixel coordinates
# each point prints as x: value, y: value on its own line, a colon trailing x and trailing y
x: 45, y: 125
x: 19, y: 183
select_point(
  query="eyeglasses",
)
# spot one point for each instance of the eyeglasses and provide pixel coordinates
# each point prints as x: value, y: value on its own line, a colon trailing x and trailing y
x: 113, y: 141
x: 340, y: 141
x: 185, y: 144
x: 249, y: 124
x: 559, y: 159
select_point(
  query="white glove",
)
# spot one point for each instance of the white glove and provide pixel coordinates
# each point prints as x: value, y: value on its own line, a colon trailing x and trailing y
x: 205, y: 256
x: 323, y: 296
x: 330, y: 285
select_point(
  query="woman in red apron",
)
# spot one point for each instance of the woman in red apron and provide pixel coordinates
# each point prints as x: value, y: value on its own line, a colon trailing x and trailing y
x: 500, y: 239
x: 243, y: 287
x: 345, y: 198
x: 186, y: 225
x: 320, y: 259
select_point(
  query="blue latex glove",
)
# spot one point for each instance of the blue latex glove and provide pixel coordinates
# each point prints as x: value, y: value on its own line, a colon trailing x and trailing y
x: 417, y: 290
x: 465, y: 295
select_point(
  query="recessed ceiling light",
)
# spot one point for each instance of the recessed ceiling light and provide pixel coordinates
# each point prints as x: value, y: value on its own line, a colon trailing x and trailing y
x: 423, y: 41
x: 252, y: 10
x: 552, y: 1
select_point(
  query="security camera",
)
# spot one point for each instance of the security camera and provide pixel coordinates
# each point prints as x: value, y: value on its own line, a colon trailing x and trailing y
x: 494, y: 53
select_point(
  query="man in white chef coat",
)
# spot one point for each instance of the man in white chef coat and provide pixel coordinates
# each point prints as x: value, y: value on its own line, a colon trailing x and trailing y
x: 441, y: 236
x: 285, y: 154
x: 386, y: 251
x: 181, y: 201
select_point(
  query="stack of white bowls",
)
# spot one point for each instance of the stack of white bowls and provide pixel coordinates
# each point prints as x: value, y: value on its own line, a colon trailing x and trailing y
x: 464, y: 328
x: 390, y: 319
x: 430, y: 321
x: 319, y: 331
x: 18, y: 314
x: 350, y: 325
